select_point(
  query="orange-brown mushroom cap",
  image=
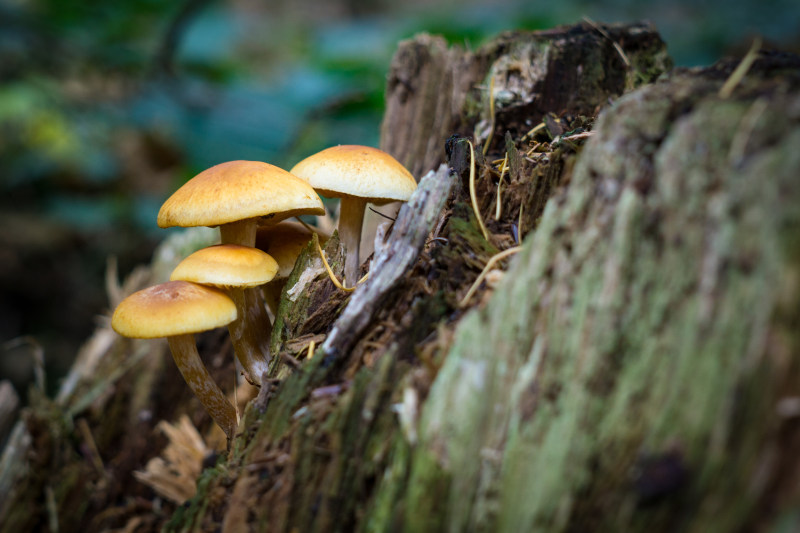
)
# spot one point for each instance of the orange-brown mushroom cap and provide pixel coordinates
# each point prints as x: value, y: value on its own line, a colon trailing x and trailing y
x: 357, y: 175
x: 239, y: 190
x: 176, y: 310
x: 172, y: 308
x: 361, y: 171
x: 227, y: 265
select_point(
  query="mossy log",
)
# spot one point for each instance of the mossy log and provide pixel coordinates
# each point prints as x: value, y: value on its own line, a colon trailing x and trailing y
x: 633, y: 370
x: 634, y: 366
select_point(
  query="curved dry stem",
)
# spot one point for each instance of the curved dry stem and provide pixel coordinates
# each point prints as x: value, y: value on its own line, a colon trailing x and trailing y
x: 329, y: 271
x: 250, y: 332
x: 194, y: 372
x: 489, y: 265
x: 351, y: 218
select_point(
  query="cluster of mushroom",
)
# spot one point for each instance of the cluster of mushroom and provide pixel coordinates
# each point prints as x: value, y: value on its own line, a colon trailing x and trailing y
x: 219, y: 285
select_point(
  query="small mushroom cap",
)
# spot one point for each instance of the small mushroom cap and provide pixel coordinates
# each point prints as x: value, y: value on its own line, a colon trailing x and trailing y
x: 227, y: 265
x: 362, y: 171
x: 284, y: 242
x: 172, y: 308
x: 238, y: 190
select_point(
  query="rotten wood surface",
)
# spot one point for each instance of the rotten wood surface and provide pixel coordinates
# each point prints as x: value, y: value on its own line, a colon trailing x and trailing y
x: 509, y: 85
x: 435, y: 90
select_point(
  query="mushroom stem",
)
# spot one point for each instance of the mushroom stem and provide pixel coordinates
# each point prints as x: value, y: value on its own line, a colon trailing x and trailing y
x: 239, y: 232
x: 184, y: 352
x: 250, y: 332
x: 351, y: 217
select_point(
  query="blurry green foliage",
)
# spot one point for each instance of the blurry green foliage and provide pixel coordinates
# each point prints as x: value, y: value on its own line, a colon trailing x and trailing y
x: 114, y: 35
x: 220, y: 80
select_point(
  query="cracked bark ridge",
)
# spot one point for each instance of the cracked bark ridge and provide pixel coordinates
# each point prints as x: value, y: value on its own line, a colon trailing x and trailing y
x: 435, y: 90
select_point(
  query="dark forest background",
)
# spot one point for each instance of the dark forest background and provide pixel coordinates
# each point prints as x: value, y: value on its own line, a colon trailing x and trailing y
x: 107, y: 107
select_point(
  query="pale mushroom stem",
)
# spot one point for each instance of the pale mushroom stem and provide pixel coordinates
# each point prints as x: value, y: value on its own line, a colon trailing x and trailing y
x: 351, y: 217
x: 184, y: 352
x: 240, y: 232
x: 250, y: 332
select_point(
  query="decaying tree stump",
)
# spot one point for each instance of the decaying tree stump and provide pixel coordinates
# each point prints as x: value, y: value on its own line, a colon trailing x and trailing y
x: 632, y: 364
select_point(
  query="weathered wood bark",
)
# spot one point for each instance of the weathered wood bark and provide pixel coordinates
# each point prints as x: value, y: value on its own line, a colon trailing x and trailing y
x: 631, y: 371
x: 435, y: 90
x: 636, y: 367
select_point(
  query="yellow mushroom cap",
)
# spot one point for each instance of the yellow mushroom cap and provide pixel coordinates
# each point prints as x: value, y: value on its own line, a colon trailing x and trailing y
x: 238, y: 190
x: 352, y: 170
x: 284, y: 242
x: 227, y: 265
x: 172, y: 308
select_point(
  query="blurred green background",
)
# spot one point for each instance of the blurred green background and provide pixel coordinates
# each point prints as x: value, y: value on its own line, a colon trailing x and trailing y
x: 107, y: 107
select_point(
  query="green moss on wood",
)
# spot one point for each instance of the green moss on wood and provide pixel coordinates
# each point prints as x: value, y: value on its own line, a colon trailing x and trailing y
x: 634, y: 324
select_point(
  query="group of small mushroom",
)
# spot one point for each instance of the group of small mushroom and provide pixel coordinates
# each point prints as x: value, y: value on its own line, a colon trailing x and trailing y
x: 220, y: 285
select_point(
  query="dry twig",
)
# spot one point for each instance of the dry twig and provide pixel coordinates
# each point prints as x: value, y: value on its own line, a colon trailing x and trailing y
x: 489, y: 264
x: 472, y: 194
